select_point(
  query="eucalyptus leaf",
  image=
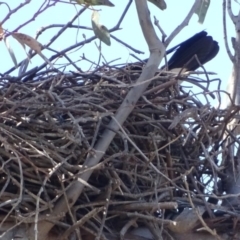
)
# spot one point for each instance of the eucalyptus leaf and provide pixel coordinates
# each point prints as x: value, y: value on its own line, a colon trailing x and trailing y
x: 7, y: 44
x: 100, y: 31
x: 95, y: 2
x: 202, y: 10
x: 159, y: 3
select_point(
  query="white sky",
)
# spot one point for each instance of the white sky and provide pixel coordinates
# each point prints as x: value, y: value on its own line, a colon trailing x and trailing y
x: 130, y: 33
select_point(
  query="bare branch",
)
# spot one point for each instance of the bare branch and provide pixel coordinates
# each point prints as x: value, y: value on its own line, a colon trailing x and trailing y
x: 225, y: 32
x: 184, y: 23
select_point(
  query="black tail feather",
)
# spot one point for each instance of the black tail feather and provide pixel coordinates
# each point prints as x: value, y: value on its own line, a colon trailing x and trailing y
x: 188, y: 42
x: 200, y: 45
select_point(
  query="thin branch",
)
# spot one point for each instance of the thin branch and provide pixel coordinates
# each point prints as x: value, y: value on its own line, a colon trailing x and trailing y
x: 225, y: 32
x: 184, y: 23
x: 230, y: 13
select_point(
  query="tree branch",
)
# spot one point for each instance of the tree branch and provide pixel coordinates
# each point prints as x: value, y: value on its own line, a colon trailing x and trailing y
x: 184, y: 23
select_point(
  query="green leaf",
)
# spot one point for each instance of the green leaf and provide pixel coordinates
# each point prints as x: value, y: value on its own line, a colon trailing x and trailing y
x: 159, y: 3
x: 202, y: 10
x: 100, y: 31
x: 95, y: 2
x: 10, y: 51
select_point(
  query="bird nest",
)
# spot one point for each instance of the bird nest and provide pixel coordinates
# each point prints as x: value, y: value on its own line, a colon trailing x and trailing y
x: 164, y: 158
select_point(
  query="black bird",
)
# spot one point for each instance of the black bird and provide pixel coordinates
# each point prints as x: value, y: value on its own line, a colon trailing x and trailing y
x: 200, y: 45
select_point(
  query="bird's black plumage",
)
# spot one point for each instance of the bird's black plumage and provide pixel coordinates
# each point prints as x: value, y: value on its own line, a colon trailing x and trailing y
x: 199, y: 45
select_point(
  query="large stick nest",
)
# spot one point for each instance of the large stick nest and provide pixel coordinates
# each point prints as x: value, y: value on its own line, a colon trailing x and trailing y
x: 171, y: 143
